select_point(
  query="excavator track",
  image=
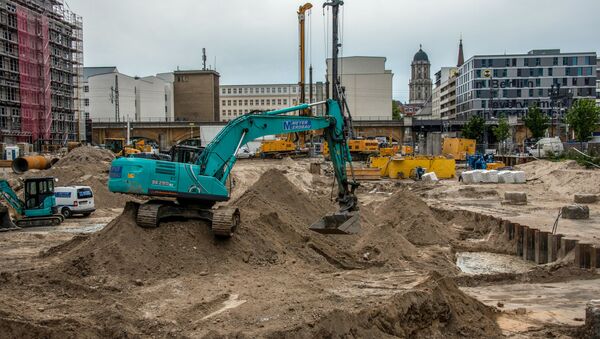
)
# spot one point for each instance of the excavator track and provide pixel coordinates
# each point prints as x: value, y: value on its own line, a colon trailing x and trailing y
x: 53, y: 220
x: 148, y: 215
x: 225, y: 221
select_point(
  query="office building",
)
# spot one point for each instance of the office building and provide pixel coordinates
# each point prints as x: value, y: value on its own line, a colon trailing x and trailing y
x: 113, y: 96
x: 237, y: 100
x: 489, y: 85
x: 40, y: 72
x: 368, y: 86
x: 196, y: 95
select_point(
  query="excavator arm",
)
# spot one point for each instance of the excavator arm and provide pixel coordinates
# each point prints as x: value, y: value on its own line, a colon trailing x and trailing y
x: 10, y: 196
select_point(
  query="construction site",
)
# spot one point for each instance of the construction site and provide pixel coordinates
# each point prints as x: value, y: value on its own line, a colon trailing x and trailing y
x: 319, y: 234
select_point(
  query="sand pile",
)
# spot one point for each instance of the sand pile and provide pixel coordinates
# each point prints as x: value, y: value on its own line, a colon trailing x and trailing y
x: 565, y: 177
x: 274, y: 231
x: 410, y: 216
x: 435, y: 309
x: 86, y: 166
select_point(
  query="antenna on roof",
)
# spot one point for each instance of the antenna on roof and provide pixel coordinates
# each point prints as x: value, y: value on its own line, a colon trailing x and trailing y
x: 204, y: 59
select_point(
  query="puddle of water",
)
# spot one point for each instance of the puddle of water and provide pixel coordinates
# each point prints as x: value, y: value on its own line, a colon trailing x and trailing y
x: 491, y: 263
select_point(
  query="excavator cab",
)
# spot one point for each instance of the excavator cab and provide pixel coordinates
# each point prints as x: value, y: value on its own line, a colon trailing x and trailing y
x: 39, y: 197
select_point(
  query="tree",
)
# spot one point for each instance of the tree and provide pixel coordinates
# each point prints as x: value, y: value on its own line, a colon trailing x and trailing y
x: 502, y: 131
x: 536, y: 121
x: 396, y: 112
x: 583, y: 118
x: 474, y: 128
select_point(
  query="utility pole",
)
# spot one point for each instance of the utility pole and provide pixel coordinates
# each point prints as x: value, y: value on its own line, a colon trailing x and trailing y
x: 114, y: 97
x: 335, y: 86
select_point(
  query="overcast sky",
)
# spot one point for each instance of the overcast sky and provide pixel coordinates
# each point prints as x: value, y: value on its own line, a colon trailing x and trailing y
x: 256, y: 41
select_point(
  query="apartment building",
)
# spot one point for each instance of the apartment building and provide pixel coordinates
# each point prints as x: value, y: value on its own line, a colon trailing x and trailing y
x: 41, y: 60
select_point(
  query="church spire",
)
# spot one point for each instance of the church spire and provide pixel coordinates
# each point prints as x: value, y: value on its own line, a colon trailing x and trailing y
x: 461, y: 57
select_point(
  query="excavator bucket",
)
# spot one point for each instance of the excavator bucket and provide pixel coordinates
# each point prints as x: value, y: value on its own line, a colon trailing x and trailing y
x: 6, y: 223
x: 338, y: 223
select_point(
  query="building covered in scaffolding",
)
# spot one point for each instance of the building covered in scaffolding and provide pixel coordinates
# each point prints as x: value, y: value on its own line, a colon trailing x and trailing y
x: 41, y: 72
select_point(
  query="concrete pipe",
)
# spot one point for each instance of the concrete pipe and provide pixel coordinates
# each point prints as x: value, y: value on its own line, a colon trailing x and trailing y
x: 24, y: 164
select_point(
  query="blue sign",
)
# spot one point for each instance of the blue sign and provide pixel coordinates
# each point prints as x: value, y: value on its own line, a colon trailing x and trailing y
x: 62, y: 194
x: 292, y: 125
x: 116, y: 171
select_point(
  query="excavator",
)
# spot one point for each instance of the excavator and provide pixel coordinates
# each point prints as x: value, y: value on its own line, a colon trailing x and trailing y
x: 38, y: 207
x: 198, y: 187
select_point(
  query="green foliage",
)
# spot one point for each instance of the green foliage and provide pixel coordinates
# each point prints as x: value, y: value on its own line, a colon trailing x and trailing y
x: 474, y: 128
x: 536, y: 121
x: 396, y: 113
x: 502, y: 131
x: 583, y: 118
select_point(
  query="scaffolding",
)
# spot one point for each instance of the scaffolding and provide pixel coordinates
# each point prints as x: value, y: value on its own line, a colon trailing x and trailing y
x: 47, y: 76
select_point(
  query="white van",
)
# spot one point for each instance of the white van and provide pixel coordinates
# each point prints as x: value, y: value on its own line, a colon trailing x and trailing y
x: 545, y: 146
x: 74, y: 200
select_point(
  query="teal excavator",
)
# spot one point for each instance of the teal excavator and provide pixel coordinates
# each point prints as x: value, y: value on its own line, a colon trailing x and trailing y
x: 197, y: 187
x: 38, y: 207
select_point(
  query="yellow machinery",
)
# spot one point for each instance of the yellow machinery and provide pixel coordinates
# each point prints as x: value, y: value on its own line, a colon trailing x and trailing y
x: 118, y: 146
x: 360, y: 149
x: 406, y: 150
x: 388, y: 151
x: 458, y: 148
x: 277, y: 148
x: 404, y: 167
x: 495, y: 165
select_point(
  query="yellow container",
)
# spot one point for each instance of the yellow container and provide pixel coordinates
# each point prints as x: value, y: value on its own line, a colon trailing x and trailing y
x: 458, y: 148
x: 268, y: 146
x: 402, y: 168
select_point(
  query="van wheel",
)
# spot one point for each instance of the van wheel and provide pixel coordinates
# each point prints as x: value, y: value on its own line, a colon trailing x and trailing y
x: 66, y: 212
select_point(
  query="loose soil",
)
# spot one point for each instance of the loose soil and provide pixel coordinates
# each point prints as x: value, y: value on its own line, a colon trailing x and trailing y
x: 274, y: 278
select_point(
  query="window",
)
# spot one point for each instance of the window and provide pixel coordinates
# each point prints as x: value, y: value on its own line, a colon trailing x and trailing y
x: 252, y: 90
x: 246, y: 102
x: 555, y: 61
x: 268, y: 90
x: 268, y: 102
x: 235, y: 91
x: 246, y: 90
x: 550, y: 71
x: 262, y: 101
x: 285, y: 90
x: 518, y: 93
x: 564, y: 81
x: 262, y: 90
x: 234, y: 102
x: 565, y: 61
x: 568, y: 71
x: 86, y: 102
x: 279, y: 90
x: 273, y: 90
x: 538, y: 61
x: 587, y: 81
x: 538, y: 82
x: 229, y: 91
x: 541, y: 92
x: 575, y: 60
x: 574, y: 81
x: 526, y: 60
x: 224, y: 103
x: 251, y: 102
x: 278, y: 101
x: 228, y: 102
x: 86, y: 88
x: 285, y: 101
x: 478, y: 73
x: 514, y: 62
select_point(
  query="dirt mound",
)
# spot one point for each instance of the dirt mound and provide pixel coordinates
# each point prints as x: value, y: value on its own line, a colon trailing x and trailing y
x: 410, y: 216
x: 274, y: 231
x: 86, y: 166
x: 564, y: 177
x: 435, y: 309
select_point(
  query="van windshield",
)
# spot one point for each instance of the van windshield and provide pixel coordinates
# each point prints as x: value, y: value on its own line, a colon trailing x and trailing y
x: 84, y: 193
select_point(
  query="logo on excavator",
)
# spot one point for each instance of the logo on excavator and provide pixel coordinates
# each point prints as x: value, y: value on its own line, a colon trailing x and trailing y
x: 292, y: 125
